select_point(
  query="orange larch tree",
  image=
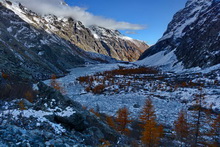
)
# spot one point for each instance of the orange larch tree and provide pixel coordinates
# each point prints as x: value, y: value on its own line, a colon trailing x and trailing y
x: 147, y: 112
x: 110, y: 121
x: 94, y: 112
x: 122, y: 120
x: 152, y: 132
x: 181, y: 127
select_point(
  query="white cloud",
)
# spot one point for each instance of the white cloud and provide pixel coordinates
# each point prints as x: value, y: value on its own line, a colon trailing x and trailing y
x: 131, y: 32
x: 78, y: 13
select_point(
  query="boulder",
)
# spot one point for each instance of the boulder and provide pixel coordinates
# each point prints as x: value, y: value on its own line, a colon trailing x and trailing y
x: 81, y: 120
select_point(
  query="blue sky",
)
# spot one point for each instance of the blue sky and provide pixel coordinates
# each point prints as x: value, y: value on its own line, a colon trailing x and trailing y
x: 153, y: 14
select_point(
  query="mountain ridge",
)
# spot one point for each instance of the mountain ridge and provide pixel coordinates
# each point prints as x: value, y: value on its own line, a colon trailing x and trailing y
x: 36, y: 53
x: 192, y: 35
x: 117, y: 46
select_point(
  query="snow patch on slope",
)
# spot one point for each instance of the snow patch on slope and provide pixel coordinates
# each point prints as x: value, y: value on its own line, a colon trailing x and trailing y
x: 16, y: 9
x: 103, y: 33
x: 39, y: 115
x: 96, y: 36
x: 138, y: 43
x: 167, y: 61
x: 209, y: 69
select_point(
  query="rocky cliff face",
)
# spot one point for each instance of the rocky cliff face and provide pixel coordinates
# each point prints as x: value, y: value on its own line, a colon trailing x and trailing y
x: 192, y: 38
x: 93, y: 39
x: 34, y: 52
x: 118, y: 46
x: 25, y: 49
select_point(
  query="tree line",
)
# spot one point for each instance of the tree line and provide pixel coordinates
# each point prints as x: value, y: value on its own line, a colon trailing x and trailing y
x: 202, y: 130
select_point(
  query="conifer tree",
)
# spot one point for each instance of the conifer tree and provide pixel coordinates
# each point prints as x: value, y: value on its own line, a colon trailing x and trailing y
x: 152, y: 132
x: 94, y: 112
x: 110, y: 122
x: 122, y: 120
x: 196, y: 125
x: 147, y: 112
x: 181, y: 127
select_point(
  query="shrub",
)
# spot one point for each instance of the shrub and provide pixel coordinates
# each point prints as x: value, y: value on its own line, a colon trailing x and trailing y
x: 56, y: 85
x: 88, y: 89
x: 184, y: 84
x: 104, y: 143
x: 29, y: 95
x: 5, y: 76
x: 124, y: 71
x: 94, y: 112
x: 83, y: 79
x: 98, y: 89
x: 21, y: 105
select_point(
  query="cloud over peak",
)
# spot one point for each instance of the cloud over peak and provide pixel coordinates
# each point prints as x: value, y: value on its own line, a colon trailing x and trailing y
x: 58, y: 8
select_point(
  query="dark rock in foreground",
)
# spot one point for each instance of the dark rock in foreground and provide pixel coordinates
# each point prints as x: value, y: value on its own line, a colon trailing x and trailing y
x: 53, y: 119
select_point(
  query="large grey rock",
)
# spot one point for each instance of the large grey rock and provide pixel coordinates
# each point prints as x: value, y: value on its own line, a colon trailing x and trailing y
x: 74, y: 121
x: 81, y: 120
x: 27, y: 104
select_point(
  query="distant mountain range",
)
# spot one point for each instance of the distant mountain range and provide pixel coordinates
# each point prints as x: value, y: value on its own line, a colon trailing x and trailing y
x: 192, y: 38
x: 38, y: 46
x: 94, y: 38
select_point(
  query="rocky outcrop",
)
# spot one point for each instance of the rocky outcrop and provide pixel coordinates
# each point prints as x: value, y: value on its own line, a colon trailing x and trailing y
x: 93, y: 39
x: 80, y: 119
x: 53, y: 119
x: 117, y: 45
x: 193, y: 35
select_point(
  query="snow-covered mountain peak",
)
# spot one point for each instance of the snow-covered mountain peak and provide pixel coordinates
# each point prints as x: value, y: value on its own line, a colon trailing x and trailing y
x: 188, y: 16
x: 63, y: 3
x: 192, y: 36
x: 104, y: 34
x: 197, y: 2
x: 100, y: 32
x: 93, y: 39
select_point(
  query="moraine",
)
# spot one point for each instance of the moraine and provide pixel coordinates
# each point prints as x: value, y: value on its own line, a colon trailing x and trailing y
x: 167, y: 103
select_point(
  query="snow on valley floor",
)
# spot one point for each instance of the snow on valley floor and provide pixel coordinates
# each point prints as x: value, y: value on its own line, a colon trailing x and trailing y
x: 167, y: 104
